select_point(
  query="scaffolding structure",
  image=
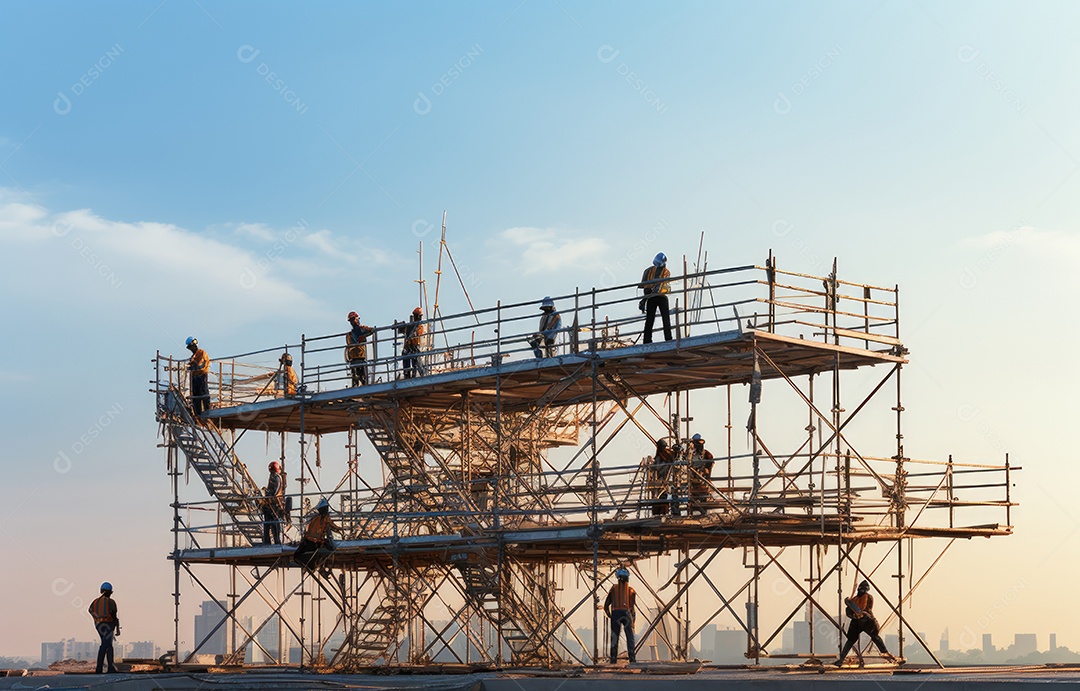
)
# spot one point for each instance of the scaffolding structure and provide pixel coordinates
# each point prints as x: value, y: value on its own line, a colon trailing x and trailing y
x: 513, y: 485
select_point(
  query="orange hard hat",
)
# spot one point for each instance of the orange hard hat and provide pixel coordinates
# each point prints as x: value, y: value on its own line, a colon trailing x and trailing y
x: 353, y: 315
x: 418, y: 311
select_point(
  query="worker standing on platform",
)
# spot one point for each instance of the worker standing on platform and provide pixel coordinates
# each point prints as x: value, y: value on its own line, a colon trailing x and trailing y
x: 701, y: 466
x: 318, y: 543
x: 860, y: 611
x: 619, y: 607
x: 356, y: 349
x: 550, y: 323
x: 660, y: 477
x: 413, y: 331
x: 199, y: 366
x: 656, y: 286
x: 273, y: 508
x: 103, y: 610
x: 286, y: 380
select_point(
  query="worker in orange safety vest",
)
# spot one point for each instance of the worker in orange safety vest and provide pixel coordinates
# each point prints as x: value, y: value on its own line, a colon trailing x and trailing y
x: 103, y: 610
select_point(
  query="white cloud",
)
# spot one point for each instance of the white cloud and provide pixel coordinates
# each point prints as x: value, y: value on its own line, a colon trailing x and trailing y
x: 155, y: 266
x: 547, y: 249
x: 1050, y: 244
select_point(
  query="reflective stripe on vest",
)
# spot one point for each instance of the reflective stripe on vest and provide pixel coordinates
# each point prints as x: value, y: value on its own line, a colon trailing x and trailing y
x: 620, y: 596
x: 100, y: 610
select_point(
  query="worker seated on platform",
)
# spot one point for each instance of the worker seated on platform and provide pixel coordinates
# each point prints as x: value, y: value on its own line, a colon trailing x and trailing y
x: 701, y: 465
x: 659, y: 477
x: 318, y: 544
x: 550, y: 324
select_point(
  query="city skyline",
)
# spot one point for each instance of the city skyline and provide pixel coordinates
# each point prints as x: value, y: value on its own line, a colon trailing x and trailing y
x: 249, y: 175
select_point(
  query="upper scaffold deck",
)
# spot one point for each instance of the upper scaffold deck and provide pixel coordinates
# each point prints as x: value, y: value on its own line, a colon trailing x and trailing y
x: 795, y: 323
x: 696, y: 362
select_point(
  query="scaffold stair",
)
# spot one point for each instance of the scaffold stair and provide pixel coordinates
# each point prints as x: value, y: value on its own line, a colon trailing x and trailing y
x: 213, y: 459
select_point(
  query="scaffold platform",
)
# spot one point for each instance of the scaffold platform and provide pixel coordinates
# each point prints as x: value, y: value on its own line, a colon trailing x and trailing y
x: 472, y: 516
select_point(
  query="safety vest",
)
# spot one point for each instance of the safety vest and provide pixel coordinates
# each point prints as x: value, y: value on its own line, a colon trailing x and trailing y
x: 414, y: 334
x: 654, y: 273
x: 865, y: 602
x: 621, y: 595
x: 199, y: 364
x: 318, y: 529
x: 103, y: 610
x: 286, y: 380
x: 550, y: 321
x: 355, y: 348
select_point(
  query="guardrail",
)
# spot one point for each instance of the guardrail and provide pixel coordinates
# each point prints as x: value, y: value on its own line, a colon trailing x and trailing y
x: 757, y: 297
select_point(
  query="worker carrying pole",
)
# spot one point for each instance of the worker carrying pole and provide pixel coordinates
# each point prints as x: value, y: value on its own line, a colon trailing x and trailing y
x: 860, y: 610
x: 619, y: 607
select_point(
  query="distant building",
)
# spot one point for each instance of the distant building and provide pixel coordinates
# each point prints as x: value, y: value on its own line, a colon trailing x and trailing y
x: 730, y: 647
x: 268, y: 639
x: 988, y: 643
x: 141, y: 650
x: 1024, y: 644
x: 71, y: 649
x: 1053, y: 642
x: 212, y: 614
x: 943, y: 643
x: 51, y: 652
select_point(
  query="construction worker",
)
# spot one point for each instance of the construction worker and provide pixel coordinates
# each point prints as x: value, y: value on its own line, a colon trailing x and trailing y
x: 656, y: 286
x: 619, y: 607
x: 413, y: 331
x: 318, y: 542
x: 103, y: 610
x: 660, y: 477
x: 273, y: 505
x: 356, y: 349
x: 550, y: 323
x: 285, y: 381
x: 199, y: 366
x: 860, y: 611
x: 701, y: 465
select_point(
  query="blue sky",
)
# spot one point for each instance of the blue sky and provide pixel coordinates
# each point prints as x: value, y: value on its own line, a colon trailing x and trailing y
x: 156, y: 157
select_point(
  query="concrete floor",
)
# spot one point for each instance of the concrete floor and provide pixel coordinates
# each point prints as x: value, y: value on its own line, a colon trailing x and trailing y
x: 964, y: 679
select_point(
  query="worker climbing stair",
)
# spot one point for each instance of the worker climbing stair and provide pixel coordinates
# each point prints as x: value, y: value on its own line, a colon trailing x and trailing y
x: 213, y: 459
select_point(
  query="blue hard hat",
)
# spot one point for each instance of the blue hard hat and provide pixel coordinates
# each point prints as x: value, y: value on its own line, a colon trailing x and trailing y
x: 547, y: 302
x: 622, y: 574
x: 660, y: 259
x: 106, y: 586
x: 191, y: 340
x: 696, y: 437
x: 323, y: 504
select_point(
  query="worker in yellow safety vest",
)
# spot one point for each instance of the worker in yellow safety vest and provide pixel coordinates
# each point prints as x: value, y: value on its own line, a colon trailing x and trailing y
x: 619, y: 607
x: 103, y: 610
x: 285, y: 381
x: 199, y: 366
x: 656, y: 285
x: 413, y: 331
